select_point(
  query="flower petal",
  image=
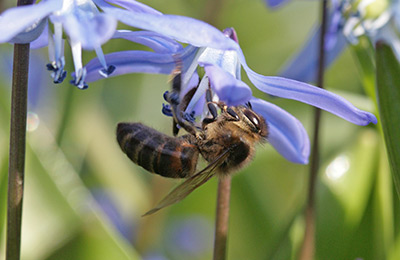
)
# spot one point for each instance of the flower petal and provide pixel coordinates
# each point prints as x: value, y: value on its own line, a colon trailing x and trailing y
x: 292, y: 89
x: 286, y: 134
x: 229, y: 89
x: 158, y: 42
x: 228, y: 60
x: 134, y: 6
x: 140, y: 62
x: 180, y: 28
x: 17, y: 19
x: 304, y: 65
x: 91, y: 31
x: 42, y: 40
x: 31, y: 33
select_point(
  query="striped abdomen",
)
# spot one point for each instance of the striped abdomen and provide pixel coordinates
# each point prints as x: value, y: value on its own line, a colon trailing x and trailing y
x: 174, y: 157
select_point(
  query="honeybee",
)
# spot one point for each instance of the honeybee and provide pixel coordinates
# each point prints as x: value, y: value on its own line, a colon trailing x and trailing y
x: 226, y: 140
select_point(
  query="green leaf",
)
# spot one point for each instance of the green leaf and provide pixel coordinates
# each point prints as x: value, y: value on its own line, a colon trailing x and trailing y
x: 388, y: 91
x: 343, y: 195
x: 383, y: 209
x: 364, y: 55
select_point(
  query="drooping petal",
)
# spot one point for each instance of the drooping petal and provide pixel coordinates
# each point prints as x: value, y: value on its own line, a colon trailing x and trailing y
x: 286, y: 134
x: 140, y: 61
x: 180, y: 28
x: 17, y: 19
x: 134, y: 6
x: 91, y: 31
x: 304, y: 65
x: 158, y: 42
x: 229, y: 89
x: 292, y: 89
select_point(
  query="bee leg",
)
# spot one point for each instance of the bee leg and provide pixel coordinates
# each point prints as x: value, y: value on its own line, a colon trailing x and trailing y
x: 181, y: 119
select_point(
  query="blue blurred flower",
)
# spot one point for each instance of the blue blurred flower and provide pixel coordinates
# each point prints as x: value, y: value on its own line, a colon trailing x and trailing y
x: 347, y: 21
x: 88, y: 28
x: 222, y: 71
x: 275, y: 3
x: 189, y: 237
x: 126, y: 228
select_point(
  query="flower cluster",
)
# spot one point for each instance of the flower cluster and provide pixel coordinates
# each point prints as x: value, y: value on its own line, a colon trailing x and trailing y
x: 216, y: 53
x: 222, y: 72
x: 347, y: 21
x: 88, y: 28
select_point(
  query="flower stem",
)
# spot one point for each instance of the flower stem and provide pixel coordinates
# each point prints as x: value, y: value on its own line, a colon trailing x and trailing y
x: 222, y: 218
x: 17, y: 147
x: 308, y: 247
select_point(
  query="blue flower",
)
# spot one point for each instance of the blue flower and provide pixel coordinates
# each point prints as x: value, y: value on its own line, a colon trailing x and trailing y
x: 275, y: 3
x: 88, y: 28
x: 222, y: 70
x: 346, y: 23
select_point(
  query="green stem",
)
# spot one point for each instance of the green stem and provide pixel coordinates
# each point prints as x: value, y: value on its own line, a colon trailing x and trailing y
x: 308, y: 247
x: 222, y: 219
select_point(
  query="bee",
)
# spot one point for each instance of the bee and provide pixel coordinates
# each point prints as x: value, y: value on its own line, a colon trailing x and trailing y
x: 226, y: 140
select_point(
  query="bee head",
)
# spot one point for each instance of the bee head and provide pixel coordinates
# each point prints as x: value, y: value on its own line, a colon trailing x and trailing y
x: 254, y: 121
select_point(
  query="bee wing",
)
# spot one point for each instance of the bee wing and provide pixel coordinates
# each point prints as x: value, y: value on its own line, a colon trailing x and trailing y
x: 185, y: 188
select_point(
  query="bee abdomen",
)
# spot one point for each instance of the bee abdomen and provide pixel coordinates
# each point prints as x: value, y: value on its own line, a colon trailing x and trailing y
x: 157, y: 152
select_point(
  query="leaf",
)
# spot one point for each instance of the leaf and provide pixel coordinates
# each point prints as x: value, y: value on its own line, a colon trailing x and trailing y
x: 383, y: 208
x: 343, y: 196
x: 364, y: 55
x: 388, y: 91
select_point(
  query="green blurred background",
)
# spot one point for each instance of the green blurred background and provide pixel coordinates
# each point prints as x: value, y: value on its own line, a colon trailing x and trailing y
x: 84, y: 198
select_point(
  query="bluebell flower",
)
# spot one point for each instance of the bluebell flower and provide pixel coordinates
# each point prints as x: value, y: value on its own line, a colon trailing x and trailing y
x: 347, y: 21
x: 88, y: 28
x: 222, y: 70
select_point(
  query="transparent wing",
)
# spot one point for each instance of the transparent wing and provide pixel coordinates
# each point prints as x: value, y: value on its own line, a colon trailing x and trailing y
x: 190, y: 184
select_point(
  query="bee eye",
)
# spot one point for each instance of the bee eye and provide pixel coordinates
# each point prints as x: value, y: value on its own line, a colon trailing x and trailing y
x: 252, y: 117
x: 232, y: 113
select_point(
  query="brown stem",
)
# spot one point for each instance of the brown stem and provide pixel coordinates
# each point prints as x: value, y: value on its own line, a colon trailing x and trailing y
x: 17, y: 147
x: 222, y: 218
x: 308, y: 247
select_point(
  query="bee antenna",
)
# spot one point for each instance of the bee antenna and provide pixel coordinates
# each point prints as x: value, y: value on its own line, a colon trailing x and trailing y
x: 248, y: 104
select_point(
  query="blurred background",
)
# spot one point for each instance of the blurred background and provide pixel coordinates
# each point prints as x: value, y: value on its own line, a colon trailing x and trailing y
x: 84, y: 198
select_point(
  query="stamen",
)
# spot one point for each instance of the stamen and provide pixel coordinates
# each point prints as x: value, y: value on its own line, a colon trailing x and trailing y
x: 57, y: 67
x: 79, y: 79
x: 166, y: 110
x: 107, y: 70
x: 171, y: 97
x: 165, y: 95
x: 56, y: 50
x: 58, y: 41
x: 80, y: 72
x: 189, y: 117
